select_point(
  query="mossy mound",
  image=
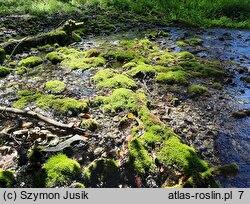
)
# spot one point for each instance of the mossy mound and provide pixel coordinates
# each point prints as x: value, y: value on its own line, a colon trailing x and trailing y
x: 77, y: 185
x: 182, y: 157
x: 197, y: 69
x: 142, y: 70
x: 109, y: 78
x: 93, y: 53
x: 124, y: 99
x: 155, y: 134
x: 173, y: 77
x: 55, y: 57
x: 228, y: 170
x: 55, y: 86
x: 90, y: 124
x: 197, y: 90
x: 75, y: 59
x: 193, y: 41
x: 7, y: 179
x: 30, y: 62
x: 4, y: 71
x: 21, y: 70
x: 120, y: 55
x: 162, y: 57
x: 2, y: 55
x: 60, y: 105
x: 59, y: 170
x: 102, y: 173
x: 201, y: 180
x: 139, y: 160
x: 185, y: 56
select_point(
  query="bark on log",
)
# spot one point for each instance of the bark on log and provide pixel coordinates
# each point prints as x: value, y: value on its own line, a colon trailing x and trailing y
x: 32, y: 114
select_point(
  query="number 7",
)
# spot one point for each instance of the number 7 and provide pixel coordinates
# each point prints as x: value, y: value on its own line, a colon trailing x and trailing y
x: 241, y: 193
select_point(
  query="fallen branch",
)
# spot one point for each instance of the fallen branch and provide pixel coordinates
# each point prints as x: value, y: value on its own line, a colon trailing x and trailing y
x: 32, y: 114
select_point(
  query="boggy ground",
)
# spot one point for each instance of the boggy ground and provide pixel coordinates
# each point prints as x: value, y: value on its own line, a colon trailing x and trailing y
x: 151, y: 115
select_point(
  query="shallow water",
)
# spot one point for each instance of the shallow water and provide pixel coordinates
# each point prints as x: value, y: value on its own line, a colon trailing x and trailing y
x: 233, y: 143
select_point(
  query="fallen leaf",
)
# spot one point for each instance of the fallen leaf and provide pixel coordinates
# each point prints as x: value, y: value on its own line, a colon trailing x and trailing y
x: 85, y: 116
x: 121, y: 153
x: 131, y: 116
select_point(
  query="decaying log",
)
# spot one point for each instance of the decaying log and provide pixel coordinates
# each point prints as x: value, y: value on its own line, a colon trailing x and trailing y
x: 61, y: 35
x: 32, y: 114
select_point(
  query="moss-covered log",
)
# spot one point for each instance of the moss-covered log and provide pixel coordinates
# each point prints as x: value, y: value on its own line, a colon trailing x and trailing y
x: 62, y: 36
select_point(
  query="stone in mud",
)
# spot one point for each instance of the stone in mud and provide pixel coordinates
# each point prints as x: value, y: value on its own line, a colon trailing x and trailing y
x: 102, y: 173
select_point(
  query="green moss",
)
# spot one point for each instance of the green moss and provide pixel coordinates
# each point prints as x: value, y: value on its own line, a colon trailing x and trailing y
x: 21, y: 70
x: 4, y: 71
x: 139, y: 159
x: 75, y: 37
x: 45, y: 47
x: 102, y: 173
x: 55, y: 57
x: 59, y: 170
x: 55, y: 86
x: 117, y: 81
x: 201, y: 180
x: 181, y: 44
x: 77, y: 185
x: 7, y: 179
x: 124, y: 99
x: 148, y: 118
x: 184, y: 56
x: 217, y: 85
x: 182, y: 157
x: 196, y: 90
x: 60, y: 105
x: 103, y: 75
x: 2, y: 55
x: 12, y: 64
x: 24, y: 92
x: 35, y: 155
x: 83, y: 63
x: 198, y: 69
x: 90, y: 124
x: 162, y: 57
x: 155, y: 134
x: 120, y: 55
x: 173, y: 77
x: 75, y: 59
x: 226, y: 170
x: 142, y: 70
x: 31, y: 62
x: 194, y: 41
